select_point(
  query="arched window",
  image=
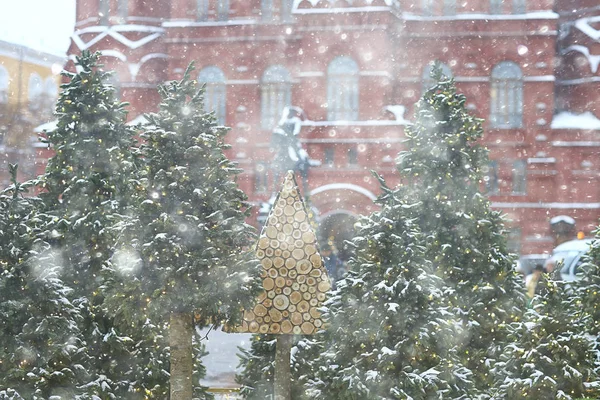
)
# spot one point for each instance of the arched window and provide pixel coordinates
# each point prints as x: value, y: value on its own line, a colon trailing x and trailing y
x: 4, y: 79
x: 103, y: 11
x: 342, y: 89
x: 495, y: 6
x: 449, y: 7
x: 506, y: 95
x: 276, y: 94
x: 42, y: 94
x: 34, y: 91
x: 519, y: 7
x: 214, y: 96
x: 202, y: 10
x: 48, y: 97
x: 222, y: 10
x: 266, y: 10
x: 427, y: 80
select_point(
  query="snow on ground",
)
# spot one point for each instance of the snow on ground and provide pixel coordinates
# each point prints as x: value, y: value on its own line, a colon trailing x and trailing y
x: 222, y: 361
x: 569, y: 120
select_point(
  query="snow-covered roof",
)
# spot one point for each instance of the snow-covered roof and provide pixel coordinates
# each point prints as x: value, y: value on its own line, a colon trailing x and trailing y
x: 569, y: 120
x: 583, y: 24
x: 222, y: 361
x: 140, y: 119
x: 562, y: 218
x: 47, y: 127
x: 593, y: 60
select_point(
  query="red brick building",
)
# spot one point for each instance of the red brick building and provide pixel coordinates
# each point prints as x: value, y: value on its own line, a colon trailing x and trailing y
x: 356, y: 68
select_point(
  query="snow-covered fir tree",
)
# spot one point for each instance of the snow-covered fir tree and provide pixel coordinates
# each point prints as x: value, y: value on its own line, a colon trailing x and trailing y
x: 42, y: 352
x: 390, y: 335
x: 550, y: 355
x: 190, y: 236
x: 257, y: 377
x: 465, y: 238
x: 257, y: 365
x: 87, y: 188
x: 587, y: 292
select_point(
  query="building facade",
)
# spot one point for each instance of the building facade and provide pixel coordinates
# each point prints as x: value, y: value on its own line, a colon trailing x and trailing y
x: 355, y: 68
x: 29, y: 82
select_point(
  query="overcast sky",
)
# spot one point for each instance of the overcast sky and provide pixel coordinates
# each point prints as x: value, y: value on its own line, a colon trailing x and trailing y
x: 44, y: 25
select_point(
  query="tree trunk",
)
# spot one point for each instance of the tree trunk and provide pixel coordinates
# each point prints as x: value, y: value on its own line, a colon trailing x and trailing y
x: 283, y: 376
x: 180, y: 341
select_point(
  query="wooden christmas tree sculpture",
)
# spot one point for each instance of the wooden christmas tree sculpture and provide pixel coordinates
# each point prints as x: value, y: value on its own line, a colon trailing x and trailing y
x: 294, y: 279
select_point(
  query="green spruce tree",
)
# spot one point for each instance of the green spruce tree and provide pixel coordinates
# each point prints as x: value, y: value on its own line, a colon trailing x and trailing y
x: 257, y: 364
x: 191, y: 236
x: 88, y: 190
x: 390, y: 335
x: 586, y: 295
x: 465, y: 238
x: 550, y: 354
x: 42, y: 352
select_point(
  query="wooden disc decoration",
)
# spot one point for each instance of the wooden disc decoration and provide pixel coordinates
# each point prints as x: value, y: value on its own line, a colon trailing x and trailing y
x: 295, y: 281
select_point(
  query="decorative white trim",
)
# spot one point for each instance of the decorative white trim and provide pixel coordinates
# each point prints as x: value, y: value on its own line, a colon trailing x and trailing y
x: 135, y: 18
x: 578, y: 81
x: 114, y: 53
x: 562, y: 206
x: 562, y: 143
x: 114, y: 32
x: 583, y: 24
x: 539, y: 78
x: 384, y: 74
x: 187, y: 23
x: 343, y: 186
x: 340, y: 10
x: 485, y: 17
x: 242, y: 82
x: 541, y: 160
x: 310, y: 74
x: 373, y: 122
x: 134, y: 68
x: 593, y: 60
x: 86, y: 21
x: 493, y: 34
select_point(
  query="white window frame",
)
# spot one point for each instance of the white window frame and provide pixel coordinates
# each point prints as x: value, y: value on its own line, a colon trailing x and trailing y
x: 496, y: 6
x: 342, y: 89
x: 449, y: 7
x: 519, y: 178
x: 222, y: 10
x: 202, y: 10
x: 276, y: 94
x: 506, y: 96
x: 215, y: 95
x: 103, y: 11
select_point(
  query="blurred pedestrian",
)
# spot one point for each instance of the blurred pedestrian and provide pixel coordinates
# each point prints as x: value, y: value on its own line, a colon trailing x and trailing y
x: 531, y: 281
